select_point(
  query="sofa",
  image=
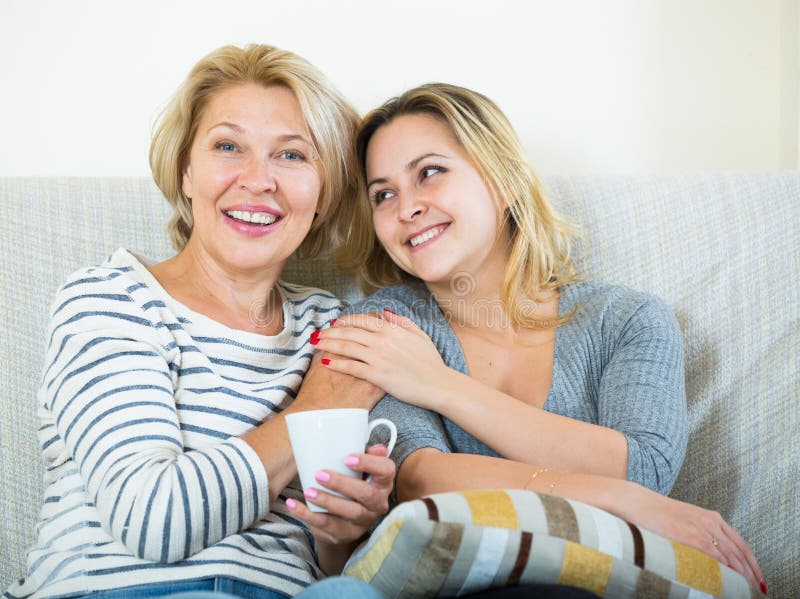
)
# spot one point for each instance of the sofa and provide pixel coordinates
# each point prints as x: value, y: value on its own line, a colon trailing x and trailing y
x: 723, y: 250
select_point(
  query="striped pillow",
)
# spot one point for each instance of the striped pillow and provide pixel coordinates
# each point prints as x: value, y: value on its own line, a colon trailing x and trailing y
x: 456, y: 543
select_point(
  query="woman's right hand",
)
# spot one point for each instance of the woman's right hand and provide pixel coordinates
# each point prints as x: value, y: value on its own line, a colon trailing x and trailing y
x: 693, y: 526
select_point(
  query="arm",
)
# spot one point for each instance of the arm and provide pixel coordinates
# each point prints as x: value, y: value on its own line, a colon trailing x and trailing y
x: 321, y: 389
x: 428, y: 471
x: 640, y: 396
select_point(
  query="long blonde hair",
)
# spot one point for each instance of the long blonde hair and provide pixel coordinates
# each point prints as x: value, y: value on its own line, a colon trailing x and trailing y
x: 331, y: 121
x: 539, y: 262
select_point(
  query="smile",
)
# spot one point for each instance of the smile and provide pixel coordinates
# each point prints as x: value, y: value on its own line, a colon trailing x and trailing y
x: 427, y: 235
x: 253, y: 218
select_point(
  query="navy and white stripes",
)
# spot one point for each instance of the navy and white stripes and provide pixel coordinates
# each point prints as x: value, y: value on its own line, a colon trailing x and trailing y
x: 141, y: 407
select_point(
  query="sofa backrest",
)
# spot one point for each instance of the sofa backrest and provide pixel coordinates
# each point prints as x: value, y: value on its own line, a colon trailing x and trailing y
x: 722, y: 250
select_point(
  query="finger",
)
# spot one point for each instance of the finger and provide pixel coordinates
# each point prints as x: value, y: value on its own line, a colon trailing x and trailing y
x: 380, y: 467
x: 354, y: 368
x: 346, y: 349
x: 343, y: 333
x: 748, y: 565
x: 402, y: 321
x: 340, y: 507
x: 378, y: 449
x: 370, y: 321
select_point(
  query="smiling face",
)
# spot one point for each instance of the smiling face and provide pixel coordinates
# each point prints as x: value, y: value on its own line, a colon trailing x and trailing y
x: 432, y: 212
x: 253, y: 178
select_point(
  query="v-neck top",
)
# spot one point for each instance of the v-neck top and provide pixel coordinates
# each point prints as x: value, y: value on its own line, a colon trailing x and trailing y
x: 618, y: 362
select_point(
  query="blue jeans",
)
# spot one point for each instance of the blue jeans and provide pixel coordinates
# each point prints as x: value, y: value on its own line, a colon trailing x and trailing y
x: 338, y: 587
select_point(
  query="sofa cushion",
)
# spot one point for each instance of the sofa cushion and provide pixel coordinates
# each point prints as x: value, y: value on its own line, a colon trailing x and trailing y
x: 451, y: 544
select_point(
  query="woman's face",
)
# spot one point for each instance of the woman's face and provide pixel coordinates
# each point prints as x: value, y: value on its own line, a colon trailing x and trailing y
x: 253, y: 178
x: 432, y: 211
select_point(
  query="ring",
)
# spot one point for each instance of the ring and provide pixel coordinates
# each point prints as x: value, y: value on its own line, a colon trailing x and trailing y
x: 713, y: 541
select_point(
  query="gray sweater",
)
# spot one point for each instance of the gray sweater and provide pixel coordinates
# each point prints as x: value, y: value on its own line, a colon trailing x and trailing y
x: 617, y: 363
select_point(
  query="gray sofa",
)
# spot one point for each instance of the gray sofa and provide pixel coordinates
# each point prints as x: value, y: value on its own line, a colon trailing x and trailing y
x: 722, y: 250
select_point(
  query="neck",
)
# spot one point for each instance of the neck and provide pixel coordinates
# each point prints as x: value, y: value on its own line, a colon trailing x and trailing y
x: 240, y: 298
x: 473, y: 299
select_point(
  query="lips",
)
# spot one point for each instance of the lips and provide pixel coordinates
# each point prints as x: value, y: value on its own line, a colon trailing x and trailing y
x: 252, y: 220
x: 425, y: 235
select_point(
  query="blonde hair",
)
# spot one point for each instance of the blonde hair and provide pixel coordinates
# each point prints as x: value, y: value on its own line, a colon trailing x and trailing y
x: 539, y: 261
x: 331, y: 121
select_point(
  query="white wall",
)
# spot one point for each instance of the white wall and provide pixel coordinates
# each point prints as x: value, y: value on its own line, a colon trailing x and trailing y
x: 626, y: 86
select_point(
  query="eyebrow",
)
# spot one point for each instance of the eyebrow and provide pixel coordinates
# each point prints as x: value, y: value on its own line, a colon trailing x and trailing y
x: 409, y: 167
x: 281, y: 138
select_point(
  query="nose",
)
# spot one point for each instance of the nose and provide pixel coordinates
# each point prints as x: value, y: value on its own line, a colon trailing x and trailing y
x: 257, y: 176
x: 410, y: 207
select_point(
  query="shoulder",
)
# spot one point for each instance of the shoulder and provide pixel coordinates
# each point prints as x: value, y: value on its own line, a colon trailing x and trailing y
x: 310, y: 303
x: 409, y: 299
x: 110, y: 295
x: 619, y: 310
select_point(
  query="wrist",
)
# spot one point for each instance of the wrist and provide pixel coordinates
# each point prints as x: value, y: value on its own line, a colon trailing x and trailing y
x: 439, y: 390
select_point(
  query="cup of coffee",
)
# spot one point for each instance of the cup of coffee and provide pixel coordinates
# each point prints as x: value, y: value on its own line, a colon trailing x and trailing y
x: 322, y: 439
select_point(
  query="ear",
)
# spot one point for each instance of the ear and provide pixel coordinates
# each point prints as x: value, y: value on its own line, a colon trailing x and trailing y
x: 186, y: 178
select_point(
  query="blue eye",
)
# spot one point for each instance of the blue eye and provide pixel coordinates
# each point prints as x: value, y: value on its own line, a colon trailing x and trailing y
x: 225, y: 146
x: 292, y: 155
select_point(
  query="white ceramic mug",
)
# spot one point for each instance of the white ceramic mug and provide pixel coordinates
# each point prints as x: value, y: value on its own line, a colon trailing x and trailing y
x: 322, y: 439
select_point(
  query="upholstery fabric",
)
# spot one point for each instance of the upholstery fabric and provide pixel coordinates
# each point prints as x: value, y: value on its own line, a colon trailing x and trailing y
x: 451, y: 544
x: 721, y: 249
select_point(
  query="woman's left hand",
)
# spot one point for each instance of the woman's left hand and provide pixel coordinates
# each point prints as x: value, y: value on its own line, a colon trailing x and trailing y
x: 349, y: 517
x: 387, y: 350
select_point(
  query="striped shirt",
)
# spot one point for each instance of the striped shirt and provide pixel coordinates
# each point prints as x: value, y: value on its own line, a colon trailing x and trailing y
x: 141, y: 407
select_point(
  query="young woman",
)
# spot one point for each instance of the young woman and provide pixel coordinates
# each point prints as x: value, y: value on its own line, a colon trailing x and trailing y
x: 166, y: 385
x: 502, y: 366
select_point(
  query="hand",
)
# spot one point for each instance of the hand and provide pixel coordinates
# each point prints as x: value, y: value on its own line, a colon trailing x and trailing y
x: 696, y: 527
x: 349, y: 518
x: 389, y: 351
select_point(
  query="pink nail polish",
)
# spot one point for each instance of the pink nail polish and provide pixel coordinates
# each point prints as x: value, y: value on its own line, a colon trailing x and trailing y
x: 351, y: 461
x: 322, y: 476
x: 291, y: 503
x: 311, y: 493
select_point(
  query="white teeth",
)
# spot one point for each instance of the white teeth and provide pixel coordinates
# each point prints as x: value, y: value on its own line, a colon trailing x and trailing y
x: 259, y: 218
x: 423, y: 237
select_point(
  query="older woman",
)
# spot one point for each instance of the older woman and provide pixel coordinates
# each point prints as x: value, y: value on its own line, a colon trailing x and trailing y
x: 505, y: 369
x: 166, y: 385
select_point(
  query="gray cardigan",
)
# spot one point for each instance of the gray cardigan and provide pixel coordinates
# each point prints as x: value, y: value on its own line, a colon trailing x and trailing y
x: 617, y: 363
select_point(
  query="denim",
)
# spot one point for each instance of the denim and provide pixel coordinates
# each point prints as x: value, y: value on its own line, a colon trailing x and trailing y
x: 339, y: 587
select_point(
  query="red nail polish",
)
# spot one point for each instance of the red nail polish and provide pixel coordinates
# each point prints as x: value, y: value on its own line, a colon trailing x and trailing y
x: 763, y: 587
x: 314, y: 340
x: 326, y: 361
x: 333, y: 322
x: 389, y: 311
x: 315, y: 334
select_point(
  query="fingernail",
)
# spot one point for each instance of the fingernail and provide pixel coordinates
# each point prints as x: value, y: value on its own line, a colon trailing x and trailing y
x: 379, y: 445
x: 291, y: 503
x: 315, y: 335
x: 326, y: 361
x: 350, y: 461
x: 389, y: 311
x: 311, y: 493
x: 314, y: 340
x: 333, y: 322
x: 731, y: 567
x: 763, y: 586
x: 322, y: 476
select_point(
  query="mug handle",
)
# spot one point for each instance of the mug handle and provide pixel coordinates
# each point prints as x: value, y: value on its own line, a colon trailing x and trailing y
x: 392, y: 435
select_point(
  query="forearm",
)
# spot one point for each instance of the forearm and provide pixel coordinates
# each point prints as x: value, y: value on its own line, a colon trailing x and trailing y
x: 524, y: 433
x: 322, y: 388
x: 429, y: 471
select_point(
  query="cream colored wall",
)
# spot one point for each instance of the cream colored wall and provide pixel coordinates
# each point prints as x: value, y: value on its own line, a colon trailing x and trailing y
x: 626, y: 86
